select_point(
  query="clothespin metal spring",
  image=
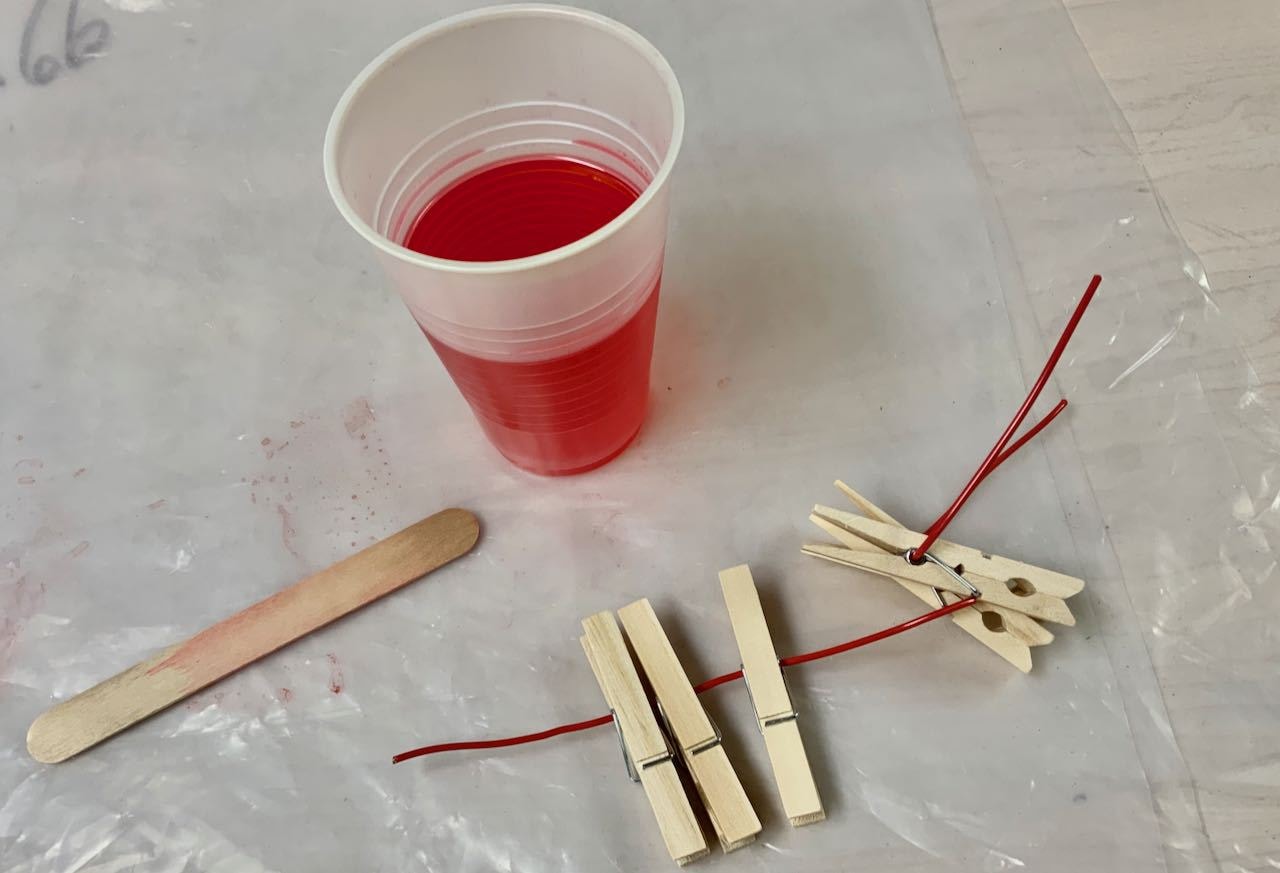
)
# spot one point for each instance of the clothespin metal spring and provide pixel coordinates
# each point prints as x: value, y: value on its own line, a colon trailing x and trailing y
x: 930, y: 557
x: 651, y: 761
x: 765, y: 721
x: 706, y: 745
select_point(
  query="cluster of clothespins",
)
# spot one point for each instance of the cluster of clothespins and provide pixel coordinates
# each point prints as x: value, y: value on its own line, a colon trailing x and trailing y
x: 648, y: 748
x: 999, y: 601
x: 1013, y: 597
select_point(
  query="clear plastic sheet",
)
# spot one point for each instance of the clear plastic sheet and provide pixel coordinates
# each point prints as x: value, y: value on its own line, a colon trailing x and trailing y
x: 208, y: 392
x: 1171, y: 435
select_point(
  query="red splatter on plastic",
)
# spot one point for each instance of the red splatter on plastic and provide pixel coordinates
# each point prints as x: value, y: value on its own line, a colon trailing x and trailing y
x: 18, y: 603
x: 79, y: 549
x: 78, y: 473
x: 357, y: 416
x: 285, y: 695
x: 287, y: 531
x: 336, y: 679
x: 156, y: 504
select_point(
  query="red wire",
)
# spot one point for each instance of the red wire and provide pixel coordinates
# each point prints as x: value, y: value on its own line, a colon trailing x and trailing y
x: 997, y: 455
x: 717, y: 681
x: 876, y: 637
x: 1026, y: 438
x: 508, y: 741
x: 701, y: 687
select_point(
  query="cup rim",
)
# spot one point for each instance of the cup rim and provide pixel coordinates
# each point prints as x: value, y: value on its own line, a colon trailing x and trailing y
x: 465, y: 19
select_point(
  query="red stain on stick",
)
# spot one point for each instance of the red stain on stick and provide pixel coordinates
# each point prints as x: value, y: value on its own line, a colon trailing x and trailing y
x: 175, y: 673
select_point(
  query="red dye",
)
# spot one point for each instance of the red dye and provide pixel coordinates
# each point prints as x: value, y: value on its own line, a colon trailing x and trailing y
x: 519, y: 208
x: 564, y: 414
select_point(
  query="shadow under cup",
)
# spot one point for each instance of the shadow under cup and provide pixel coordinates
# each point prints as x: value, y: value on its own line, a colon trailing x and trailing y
x: 552, y: 350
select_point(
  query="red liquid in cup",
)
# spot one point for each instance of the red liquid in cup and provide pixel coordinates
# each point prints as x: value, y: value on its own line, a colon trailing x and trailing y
x: 565, y: 414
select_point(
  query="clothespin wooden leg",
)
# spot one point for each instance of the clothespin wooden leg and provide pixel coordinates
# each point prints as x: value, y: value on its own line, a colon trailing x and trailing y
x: 775, y: 712
x: 698, y: 739
x: 642, y: 739
x: 869, y: 509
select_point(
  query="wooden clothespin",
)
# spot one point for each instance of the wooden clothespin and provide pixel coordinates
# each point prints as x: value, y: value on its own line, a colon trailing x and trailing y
x: 1013, y: 594
x: 648, y: 757
x: 696, y: 736
x: 1012, y: 626
x: 775, y: 712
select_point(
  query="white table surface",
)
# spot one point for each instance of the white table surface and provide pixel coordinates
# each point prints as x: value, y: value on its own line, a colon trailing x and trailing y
x: 207, y: 393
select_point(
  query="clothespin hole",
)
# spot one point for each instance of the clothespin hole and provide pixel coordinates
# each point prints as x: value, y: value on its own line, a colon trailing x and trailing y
x: 1020, y: 587
x: 992, y: 621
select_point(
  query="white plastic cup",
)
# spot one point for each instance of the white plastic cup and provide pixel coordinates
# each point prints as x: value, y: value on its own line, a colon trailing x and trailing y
x: 495, y: 85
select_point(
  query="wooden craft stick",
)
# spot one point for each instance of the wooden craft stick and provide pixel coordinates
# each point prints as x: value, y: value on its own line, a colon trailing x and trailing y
x: 735, y: 822
x: 1036, y: 604
x: 642, y: 737
x: 179, y: 671
x: 976, y: 563
x: 775, y: 712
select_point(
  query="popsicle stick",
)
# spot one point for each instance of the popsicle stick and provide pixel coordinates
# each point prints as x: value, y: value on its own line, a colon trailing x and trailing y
x: 1036, y: 605
x: 181, y: 670
x: 735, y: 822
x: 642, y: 737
